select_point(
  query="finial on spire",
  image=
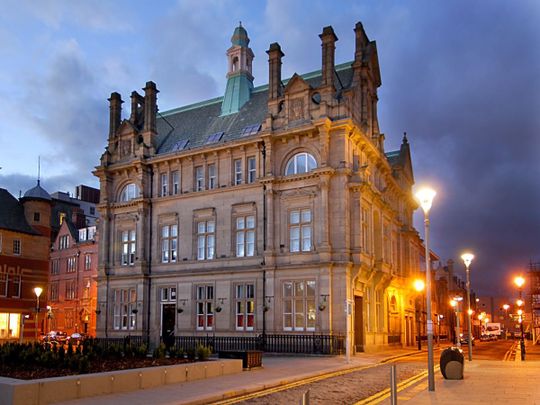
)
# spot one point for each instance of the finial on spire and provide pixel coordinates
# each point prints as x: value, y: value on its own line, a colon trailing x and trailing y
x: 240, y: 22
x: 38, y: 169
x: 405, y: 138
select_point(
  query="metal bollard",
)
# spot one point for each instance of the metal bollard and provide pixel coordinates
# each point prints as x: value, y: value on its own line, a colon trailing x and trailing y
x: 305, y: 398
x: 393, y: 385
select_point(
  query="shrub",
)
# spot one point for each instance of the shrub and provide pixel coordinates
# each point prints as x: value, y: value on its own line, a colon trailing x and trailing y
x: 203, y: 352
x: 159, y: 352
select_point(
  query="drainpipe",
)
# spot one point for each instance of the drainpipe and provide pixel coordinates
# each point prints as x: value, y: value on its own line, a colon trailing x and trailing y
x: 263, y: 263
x: 150, y: 258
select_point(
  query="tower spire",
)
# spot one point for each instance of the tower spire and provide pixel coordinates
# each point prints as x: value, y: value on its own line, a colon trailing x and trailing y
x: 39, y: 169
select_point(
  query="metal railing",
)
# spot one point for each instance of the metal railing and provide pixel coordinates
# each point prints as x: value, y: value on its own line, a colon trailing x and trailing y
x: 133, y: 341
x: 270, y: 343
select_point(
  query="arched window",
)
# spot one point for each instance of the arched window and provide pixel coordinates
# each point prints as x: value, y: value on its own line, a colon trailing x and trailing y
x: 129, y: 192
x: 300, y: 163
x: 235, y: 64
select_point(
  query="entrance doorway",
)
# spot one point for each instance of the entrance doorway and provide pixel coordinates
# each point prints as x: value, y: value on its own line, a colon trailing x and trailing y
x: 168, y: 321
x: 358, y: 324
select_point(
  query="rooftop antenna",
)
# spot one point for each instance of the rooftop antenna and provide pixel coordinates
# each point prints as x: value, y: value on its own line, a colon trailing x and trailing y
x: 38, y: 169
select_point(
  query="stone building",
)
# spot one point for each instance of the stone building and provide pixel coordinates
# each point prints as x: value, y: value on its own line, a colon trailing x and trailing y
x: 24, y: 258
x: 273, y: 210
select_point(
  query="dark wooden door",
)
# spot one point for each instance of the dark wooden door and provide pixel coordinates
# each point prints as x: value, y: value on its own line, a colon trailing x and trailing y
x: 168, y: 321
x: 358, y: 324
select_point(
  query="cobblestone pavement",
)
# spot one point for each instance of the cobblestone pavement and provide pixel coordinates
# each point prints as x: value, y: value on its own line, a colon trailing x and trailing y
x: 345, y: 389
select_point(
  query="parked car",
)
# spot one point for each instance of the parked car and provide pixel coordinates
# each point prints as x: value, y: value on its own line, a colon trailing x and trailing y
x: 464, y: 339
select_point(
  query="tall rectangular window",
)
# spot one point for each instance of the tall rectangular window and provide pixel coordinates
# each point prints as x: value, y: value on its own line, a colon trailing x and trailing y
x: 128, y: 247
x: 205, y: 307
x: 245, y: 306
x: 199, y: 178
x: 252, y: 170
x: 169, y: 243
x: 379, y: 310
x: 164, y: 182
x: 53, y: 292
x: 69, y: 315
x: 238, y: 171
x: 365, y: 231
x: 71, y: 290
x: 299, y: 311
x: 87, y: 262
x: 368, y: 310
x: 206, y: 240
x: 55, y: 266
x: 245, y: 236
x: 71, y: 264
x: 124, y: 302
x: 300, y: 225
x: 15, y: 286
x: 175, y: 182
x: 212, y: 179
x: 16, y: 246
x: 3, y: 284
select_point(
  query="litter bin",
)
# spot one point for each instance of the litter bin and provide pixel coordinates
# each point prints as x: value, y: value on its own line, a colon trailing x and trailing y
x: 452, y: 361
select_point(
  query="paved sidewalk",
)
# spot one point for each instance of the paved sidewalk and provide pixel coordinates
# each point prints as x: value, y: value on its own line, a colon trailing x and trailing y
x: 275, y: 371
x: 485, y: 381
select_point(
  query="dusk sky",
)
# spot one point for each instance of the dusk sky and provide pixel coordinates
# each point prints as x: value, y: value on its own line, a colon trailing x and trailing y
x: 461, y: 78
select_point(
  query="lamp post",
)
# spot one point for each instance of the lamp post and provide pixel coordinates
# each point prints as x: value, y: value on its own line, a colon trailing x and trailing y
x: 37, y: 291
x: 506, y: 307
x: 467, y: 259
x: 519, y: 281
x: 439, y: 319
x: 425, y: 198
x: 455, y: 304
x: 419, y: 287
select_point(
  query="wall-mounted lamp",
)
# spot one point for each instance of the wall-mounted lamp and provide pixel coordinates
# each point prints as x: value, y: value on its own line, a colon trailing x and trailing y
x: 322, y: 305
x: 267, y: 301
x: 219, y: 306
x: 183, y: 301
x: 134, y: 311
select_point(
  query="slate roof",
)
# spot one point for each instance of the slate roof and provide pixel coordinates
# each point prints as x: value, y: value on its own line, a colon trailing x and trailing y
x: 38, y: 192
x: 12, y: 214
x: 197, y: 122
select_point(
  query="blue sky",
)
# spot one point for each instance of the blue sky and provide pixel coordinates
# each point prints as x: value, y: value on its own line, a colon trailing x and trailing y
x: 460, y: 77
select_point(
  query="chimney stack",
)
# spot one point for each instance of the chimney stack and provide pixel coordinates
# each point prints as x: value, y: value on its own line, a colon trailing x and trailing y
x: 150, y: 106
x: 328, y: 39
x: 361, y: 42
x: 115, y: 113
x: 136, y: 101
x: 274, y: 70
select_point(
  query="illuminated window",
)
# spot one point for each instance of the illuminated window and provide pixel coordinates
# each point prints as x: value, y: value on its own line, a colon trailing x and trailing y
x: 71, y: 264
x: 245, y: 236
x: 87, y: 262
x: 129, y: 192
x: 300, y: 163
x: 205, y: 307
x: 299, y: 311
x: 9, y: 325
x: 300, y: 227
x: 245, y: 306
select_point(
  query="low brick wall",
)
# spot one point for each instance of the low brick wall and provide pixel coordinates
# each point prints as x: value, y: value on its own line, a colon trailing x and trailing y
x: 58, y: 389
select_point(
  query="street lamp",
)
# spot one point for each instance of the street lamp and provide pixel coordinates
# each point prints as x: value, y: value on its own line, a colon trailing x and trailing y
x: 519, y: 281
x: 419, y: 287
x: 37, y: 291
x: 506, y: 307
x: 467, y: 259
x: 425, y: 199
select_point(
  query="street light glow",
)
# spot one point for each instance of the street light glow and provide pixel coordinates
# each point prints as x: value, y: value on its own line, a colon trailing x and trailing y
x: 425, y: 196
x: 506, y: 306
x: 419, y: 285
x: 38, y: 291
x: 519, y: 302
x: 467, y: 258
x: 453, y: 303
x: 519, y: 281
x: 470, y: 311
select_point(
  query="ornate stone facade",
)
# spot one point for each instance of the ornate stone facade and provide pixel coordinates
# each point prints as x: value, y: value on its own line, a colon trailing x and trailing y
x: 274, y: 219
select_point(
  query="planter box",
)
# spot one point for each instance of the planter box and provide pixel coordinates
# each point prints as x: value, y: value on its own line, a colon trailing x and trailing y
x: 250, y: 358
x: 58, y: 389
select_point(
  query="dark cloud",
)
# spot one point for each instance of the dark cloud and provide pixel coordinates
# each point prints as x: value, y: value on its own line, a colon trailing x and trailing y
x: 18, y: 184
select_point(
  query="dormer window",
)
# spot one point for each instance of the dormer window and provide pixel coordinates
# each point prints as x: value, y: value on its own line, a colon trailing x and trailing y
x: 300, y: 163
x: 129, y: 192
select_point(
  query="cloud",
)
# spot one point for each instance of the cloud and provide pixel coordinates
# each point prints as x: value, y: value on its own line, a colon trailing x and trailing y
x: 18, y: 184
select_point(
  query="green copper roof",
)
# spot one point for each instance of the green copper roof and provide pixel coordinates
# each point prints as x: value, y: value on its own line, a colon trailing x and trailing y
x: 240, y: 36
x: 237, y: 93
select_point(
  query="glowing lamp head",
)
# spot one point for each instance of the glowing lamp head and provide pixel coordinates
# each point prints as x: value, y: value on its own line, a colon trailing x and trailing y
x: 519, y: 303
x: 506, y: 306
x: 467, y: 258
x: 453, y: 303
x: 419, y: 285
x: 470, y: 311
x: 425, y: 196
x: 520, y: 312
x: 519, y: 281
x: 480, y: 317
x: 38, y: 291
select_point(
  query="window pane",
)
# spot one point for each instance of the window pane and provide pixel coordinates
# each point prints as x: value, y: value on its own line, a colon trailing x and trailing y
x: 310, y: 288
x: 250, y: 291
x: 211, y: 226
x: 295, y: 217
x: 299, y: 289
x: 312, y: 164
x: 201, y: 227
x: 240, y: 223
x: 174, y: 230
x: 240, y: 291
x: 250, y: 222
x: 287, y: 321
x: 287, y: 289
x: 306, y: 215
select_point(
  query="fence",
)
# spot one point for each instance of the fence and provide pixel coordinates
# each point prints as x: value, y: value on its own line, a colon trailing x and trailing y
x: 305, y: 344
x: 134, y: 341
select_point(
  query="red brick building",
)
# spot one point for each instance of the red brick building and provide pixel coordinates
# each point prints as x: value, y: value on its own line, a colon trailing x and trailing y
x: 72, y: 284
x: 24, y: 261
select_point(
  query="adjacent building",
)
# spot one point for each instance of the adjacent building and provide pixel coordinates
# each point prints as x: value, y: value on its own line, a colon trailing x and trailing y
x: 273, y: 210
x: 24, y: 261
